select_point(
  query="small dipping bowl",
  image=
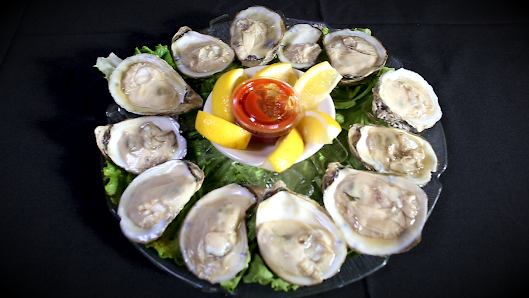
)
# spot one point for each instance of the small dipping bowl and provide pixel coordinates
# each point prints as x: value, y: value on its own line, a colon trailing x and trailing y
x: 266, y: 107
x: 256, y: 153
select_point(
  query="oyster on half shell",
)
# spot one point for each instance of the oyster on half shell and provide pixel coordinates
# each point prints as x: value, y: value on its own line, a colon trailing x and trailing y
x: 199, y: 55
x: 404, y: 99
x: 354, y: 54
x: 137, y: 144
x: 296, y: 237
x: 255, y: 35
x: 378, y: 214
x: 393, y: 151
x: 147, y: 85
x: 213, y: 238
x: 155, y: 197
x: 299, y: 46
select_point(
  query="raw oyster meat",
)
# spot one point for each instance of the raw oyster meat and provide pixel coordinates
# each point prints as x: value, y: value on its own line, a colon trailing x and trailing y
x: 404, y: 99
x: 378, y: 214
x: 137, y: 144
x: 355, y: 55
x: 393, y: 151
x: 147, y: 85
x: 155, y: 197
x: 299, y: 46
x: 296, y: 237
x: 255, y: 35
x: 200, y: 55
x: 213, y: 238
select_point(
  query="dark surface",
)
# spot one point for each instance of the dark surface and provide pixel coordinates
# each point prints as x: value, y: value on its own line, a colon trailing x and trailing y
x: 59, y: 239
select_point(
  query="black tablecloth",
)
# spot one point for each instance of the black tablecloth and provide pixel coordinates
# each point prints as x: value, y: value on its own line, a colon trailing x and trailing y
x: 59, y: 239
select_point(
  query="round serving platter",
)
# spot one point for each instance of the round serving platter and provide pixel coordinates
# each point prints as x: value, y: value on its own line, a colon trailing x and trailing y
x: 354, y: 268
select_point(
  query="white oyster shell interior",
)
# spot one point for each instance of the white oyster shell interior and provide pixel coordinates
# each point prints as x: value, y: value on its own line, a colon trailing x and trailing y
x: 354, y: 54
x: 409, y: 98
x: 137, y: 144
x: 155, y: 197
x: 213, y: 238
x: 299, y: 46
x: 378, y: 214
x: 200, y: 55
x: 397, y: 151
x: 255, y: 35
x: 147, y: 85
x: 297, y: 239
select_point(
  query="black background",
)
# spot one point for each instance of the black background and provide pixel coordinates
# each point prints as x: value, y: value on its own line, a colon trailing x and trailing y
x: 58, y: 238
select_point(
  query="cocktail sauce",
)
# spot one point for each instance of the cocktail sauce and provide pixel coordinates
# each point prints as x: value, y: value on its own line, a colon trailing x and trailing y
x: 266, y: 107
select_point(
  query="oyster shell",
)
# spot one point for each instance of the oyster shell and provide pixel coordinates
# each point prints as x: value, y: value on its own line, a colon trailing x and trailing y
x: 155, y: 197
x: 354, y: 54
x: 147, y: 85
x: 213, y: 238
x: 297, y: 239
x: 393, y: 151
x: 255, y: 35
x: 404, y: 99
x: 378, y: 214
x: 299, y: 46
x: 200, y: 55
x: 137, y: 144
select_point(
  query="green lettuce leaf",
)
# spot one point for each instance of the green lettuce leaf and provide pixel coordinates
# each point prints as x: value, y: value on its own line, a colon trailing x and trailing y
x: 219, y: 170
x: 352, y: 254
x: 259, y: 273
x: 353, y: 105
x: 116, y: 179
x: 230, y: 285
x: 365, y: 30
x: 162, y: 51
x: 347, y: 97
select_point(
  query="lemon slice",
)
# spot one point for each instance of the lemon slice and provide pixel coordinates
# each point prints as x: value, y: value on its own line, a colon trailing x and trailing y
x: 222, y: 132
x: 286, y: 152
x: 315, y: 84
x: 318, y: 127
x: 281, y: 71
x: 221, y: 93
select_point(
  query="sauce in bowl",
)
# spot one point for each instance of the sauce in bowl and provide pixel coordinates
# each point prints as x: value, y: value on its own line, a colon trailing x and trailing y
x: 256, y: 153
x: 266, y: 107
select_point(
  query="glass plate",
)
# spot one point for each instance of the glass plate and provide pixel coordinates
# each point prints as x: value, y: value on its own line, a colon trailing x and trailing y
x: 352, y: 270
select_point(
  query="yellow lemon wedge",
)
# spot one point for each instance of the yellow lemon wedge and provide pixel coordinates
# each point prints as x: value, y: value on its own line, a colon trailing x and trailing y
x: 222, y: 132
x: 286, y: 152
x: 318, y: 127
x: 281, y: 71
x: 315, y: 84
x: 221, y: 93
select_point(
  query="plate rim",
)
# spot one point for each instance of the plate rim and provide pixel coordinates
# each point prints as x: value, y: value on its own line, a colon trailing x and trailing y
x: 264, y: 290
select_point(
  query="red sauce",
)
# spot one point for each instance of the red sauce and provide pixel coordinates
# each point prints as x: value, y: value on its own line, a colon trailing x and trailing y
x: 266, y: 107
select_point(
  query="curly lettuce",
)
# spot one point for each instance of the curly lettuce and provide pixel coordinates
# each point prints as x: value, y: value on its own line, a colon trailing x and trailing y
x: 116, y: 180
x: 353, y: 105
x: 258, y: 272
x: 160, y: 50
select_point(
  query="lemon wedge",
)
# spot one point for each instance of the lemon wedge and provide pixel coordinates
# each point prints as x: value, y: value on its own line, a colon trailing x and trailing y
x: 286, y: 152
x: 221, y: 93
x: 222, y: 132
x: 318, y: 127
x: 281, y: 71
x: 315, y: 84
